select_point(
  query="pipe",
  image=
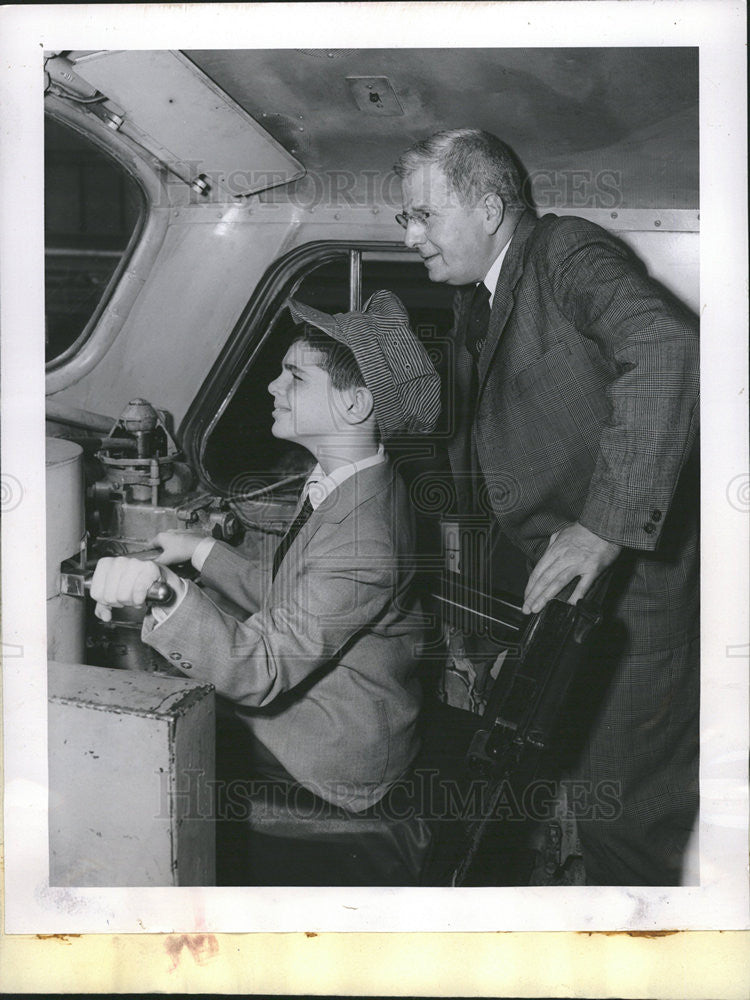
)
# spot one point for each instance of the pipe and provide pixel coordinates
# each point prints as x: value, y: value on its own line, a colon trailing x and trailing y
x: 91, y: 443
x: 65, y: 414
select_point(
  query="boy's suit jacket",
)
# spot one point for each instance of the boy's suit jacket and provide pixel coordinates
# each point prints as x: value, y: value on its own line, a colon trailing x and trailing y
x: 324, y: 667
x: 586, y: 410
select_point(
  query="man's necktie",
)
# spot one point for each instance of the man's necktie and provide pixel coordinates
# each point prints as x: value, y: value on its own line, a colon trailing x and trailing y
x: 294, y: 529
x: 479, y: 321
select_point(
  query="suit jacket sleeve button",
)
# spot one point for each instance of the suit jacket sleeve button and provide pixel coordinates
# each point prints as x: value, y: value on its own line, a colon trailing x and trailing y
x: 649, y: 529
x: 656, y: 515
x: 175, y: 656
x: 186, y: 666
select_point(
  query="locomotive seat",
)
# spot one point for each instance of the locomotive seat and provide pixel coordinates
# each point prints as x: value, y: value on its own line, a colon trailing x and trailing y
x: 273, y: 831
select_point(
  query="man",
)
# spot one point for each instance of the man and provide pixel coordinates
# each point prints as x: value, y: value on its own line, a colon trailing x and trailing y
x: 576, y: 382
x: 321, y: 665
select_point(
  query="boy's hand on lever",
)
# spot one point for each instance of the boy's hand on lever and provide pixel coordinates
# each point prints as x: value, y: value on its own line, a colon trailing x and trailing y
x: 572, y: 552
x: 121, y: 582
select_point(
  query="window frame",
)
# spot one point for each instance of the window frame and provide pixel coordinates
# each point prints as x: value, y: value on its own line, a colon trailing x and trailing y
x: 255, y: 325
x: 137, y: 260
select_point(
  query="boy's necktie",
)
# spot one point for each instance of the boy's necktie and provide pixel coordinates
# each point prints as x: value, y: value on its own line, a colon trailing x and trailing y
x: 479, y: 321
x: 294, y: 529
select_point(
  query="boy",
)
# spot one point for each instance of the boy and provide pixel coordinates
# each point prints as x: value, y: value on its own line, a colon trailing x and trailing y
x: 323, y: 672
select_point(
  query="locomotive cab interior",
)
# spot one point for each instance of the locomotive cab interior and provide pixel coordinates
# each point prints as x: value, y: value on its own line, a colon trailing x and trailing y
x: 189, y: 194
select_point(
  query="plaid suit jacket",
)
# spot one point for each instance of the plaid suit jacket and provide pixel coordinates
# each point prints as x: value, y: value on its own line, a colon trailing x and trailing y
x: 324, y: 666
x: 586, y: 410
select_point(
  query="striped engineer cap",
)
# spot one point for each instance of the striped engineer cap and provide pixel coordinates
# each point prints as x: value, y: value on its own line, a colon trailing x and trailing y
x: 396, y: 369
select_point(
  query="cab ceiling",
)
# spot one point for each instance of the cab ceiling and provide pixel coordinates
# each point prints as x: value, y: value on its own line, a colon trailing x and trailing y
x: 628, y: 110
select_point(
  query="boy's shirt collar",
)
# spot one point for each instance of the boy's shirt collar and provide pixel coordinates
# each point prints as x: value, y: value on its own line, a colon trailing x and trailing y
x: 319, y: 487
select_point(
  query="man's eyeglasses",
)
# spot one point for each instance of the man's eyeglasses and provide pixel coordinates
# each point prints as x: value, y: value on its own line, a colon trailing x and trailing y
x: 419, y: 218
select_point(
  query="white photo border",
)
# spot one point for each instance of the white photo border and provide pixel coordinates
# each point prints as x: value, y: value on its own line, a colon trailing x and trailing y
x: 721, y: 901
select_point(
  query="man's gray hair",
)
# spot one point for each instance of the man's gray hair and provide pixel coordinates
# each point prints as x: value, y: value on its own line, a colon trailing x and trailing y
x: 474, y: 162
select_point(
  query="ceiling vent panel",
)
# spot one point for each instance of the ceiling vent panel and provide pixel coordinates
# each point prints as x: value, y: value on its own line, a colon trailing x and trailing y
x: 184, y: 119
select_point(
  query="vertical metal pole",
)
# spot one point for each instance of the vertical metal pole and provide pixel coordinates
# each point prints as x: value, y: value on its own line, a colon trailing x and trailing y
x: 355, y: 281
x: 154, y: 482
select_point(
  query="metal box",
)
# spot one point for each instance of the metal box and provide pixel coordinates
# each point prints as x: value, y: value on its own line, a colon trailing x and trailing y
x: 131, y: 766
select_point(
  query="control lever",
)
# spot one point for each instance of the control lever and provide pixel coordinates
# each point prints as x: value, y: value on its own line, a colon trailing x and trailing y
x: 76, y: 580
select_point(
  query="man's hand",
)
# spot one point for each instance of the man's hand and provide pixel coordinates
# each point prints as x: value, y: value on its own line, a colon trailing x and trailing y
x: 573, y: 551
x: 123, y: 583
x: 177, y: 546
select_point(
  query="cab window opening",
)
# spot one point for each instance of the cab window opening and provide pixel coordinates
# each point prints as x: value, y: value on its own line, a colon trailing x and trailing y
x: 94, y: 211
x: 238, y: 450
